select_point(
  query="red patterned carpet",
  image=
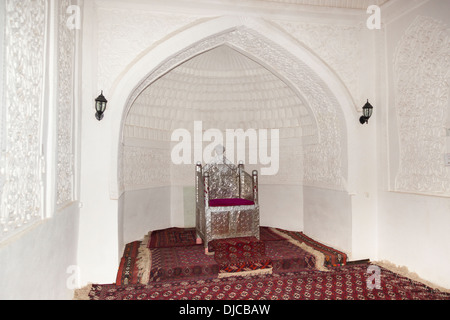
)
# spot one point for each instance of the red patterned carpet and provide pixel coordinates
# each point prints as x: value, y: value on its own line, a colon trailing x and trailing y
x: 172, y: 254
x: 169, y: 265
x: 341, y: 283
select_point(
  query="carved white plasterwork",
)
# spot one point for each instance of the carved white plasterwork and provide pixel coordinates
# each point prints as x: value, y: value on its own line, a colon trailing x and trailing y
x: 145, y: 167
x: 339, y: 46
x: 422, y: 91
x: 65, y: 109
x: 124, y: 34
x: 323, y: 164
x: 22, y: 165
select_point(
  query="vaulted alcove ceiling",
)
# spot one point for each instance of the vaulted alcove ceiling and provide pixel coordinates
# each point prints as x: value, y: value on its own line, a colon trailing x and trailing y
x: 226, y: 90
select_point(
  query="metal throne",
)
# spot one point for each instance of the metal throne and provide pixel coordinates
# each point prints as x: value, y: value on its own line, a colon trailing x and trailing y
x: 226, y: 201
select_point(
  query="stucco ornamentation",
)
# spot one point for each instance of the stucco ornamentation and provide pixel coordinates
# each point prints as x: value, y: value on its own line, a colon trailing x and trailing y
x: 23, y: 162
x: 339, y: 46
x: 65, y: 109
x: 422, y: 91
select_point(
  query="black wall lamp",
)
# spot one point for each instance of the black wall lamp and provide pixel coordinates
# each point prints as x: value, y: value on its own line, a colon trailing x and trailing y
x: 367, y: 113
x: 100, y: 106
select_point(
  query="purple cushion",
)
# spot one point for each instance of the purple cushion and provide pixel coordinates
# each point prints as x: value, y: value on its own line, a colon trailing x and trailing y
x: 230, y: 202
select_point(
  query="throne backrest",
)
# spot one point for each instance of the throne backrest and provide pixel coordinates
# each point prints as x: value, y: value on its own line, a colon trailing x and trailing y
x: 223, y: 180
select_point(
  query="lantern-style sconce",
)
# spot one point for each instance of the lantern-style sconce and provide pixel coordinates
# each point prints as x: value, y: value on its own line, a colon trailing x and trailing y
x: 100, y: 106
x: 367, y: 113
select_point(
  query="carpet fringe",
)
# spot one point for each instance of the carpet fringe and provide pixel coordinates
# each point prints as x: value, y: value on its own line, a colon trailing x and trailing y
x: 320, y: 257
x: 404, y: 271
x: 144, y: 260
x: 83, y: 293
x: 245, y: 273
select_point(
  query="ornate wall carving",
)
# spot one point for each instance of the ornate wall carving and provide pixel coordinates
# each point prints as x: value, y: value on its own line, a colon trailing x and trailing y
x: 65, y: 110
x: 124, y: 34
x: 338, y: 45
x: 145, y: 167
x: 22, y: 167
x: 27, y: 111
x: 422, y: 91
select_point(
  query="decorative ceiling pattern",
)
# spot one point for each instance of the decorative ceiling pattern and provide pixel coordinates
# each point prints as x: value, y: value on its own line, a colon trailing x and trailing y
x: 223, y: 88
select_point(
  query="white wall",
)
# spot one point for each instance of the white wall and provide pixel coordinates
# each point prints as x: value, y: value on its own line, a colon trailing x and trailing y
x: 144, y: 211
x: 413, y: 232
x: 413, y: 218
x: 328, y: 217
x: 281, y: 206
x: 41, y: 263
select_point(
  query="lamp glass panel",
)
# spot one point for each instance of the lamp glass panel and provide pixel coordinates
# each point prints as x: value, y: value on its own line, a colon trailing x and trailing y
x: 100, y: 106
x: 367, y: 111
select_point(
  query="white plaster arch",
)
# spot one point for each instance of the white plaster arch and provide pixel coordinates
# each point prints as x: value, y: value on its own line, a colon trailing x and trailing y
x: 160, y: 59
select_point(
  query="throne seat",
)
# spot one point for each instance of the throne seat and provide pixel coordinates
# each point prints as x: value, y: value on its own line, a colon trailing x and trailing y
x: 230, y: 202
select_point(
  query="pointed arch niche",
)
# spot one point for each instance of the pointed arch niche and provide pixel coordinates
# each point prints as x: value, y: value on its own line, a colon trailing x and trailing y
x: 230, y: 74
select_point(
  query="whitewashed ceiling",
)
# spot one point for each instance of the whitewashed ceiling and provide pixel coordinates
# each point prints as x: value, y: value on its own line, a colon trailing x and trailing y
x: 346, y: 4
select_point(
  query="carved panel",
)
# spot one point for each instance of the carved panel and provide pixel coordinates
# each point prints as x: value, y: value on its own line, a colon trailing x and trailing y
x: 65, y: 108
x: 124, y: 34
x: 22, y: 167
x: 145, y: 167
x: 338, y: 45
x: 422, y: 91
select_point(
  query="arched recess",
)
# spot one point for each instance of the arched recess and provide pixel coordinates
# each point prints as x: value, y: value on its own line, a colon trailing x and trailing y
x: 327, y: 162
x: 329, y: 169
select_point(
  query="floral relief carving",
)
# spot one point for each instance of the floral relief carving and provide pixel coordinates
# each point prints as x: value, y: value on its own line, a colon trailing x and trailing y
x: 65, y: 109
x: 124, y: 34
x: 145, y: 167
x: 23, y: 164
x: 338, y: 45
x: 422, y: 91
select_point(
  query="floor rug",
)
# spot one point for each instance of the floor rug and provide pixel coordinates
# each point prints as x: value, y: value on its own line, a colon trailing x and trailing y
x: 340, y: 283
x: 172, y: 254
x: 287, y: 257
x: 333, y: 257
x: 179, y: 237
x: 241, y: 256
x: 172, y: 237
x: 173, y: 263
x: 128, y: 270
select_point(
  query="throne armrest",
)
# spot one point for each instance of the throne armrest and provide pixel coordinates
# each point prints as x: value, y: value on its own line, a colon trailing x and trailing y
x: 255, y: 186
x: 201, y: 190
